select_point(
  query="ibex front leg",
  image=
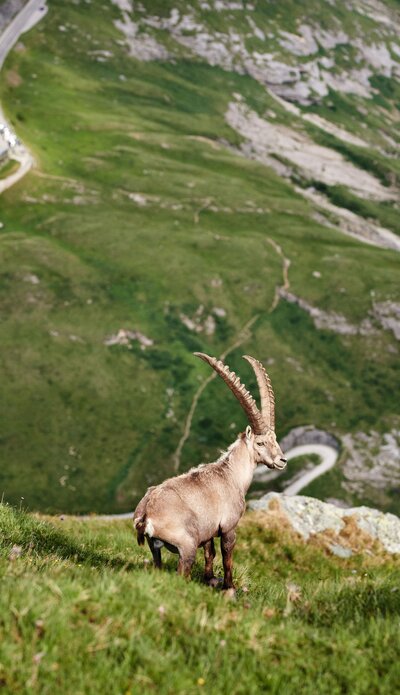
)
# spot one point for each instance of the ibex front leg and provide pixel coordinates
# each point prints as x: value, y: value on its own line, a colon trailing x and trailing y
x: 228, y: 541
x: 187, y: 556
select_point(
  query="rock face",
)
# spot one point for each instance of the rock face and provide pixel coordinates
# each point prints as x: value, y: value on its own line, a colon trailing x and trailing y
x: 302, y: 65
x: 342, y: 531
x: 265, y: 138
x: 308, y: 434
x: 372, y: 461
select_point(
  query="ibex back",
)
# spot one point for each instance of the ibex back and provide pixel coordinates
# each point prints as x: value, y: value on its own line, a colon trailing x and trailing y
x: 190, y: 510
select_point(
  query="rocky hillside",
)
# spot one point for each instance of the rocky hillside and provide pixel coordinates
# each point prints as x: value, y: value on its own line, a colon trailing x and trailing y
x: 332, y: 68
x: 212, y: 176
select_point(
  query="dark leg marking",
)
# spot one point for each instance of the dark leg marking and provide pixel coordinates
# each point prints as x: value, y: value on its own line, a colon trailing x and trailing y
x: 228, y: 541
x: 156, y: 553
x: 209, y: 555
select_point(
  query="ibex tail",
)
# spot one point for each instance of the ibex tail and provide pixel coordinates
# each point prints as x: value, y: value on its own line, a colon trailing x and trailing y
x: 140, y: 525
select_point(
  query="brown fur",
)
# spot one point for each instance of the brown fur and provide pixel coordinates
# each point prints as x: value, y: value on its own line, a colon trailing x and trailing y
x: 190, y: 510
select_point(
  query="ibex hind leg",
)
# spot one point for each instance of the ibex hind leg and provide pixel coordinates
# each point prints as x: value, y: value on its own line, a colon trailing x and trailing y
x: 155, y: 551
x: 209, y: 555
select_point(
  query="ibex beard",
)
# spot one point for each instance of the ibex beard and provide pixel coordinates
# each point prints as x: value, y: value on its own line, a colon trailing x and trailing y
x: 190, y: 510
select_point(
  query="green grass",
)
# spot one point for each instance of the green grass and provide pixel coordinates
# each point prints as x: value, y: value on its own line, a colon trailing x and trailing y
x: 87, y: 427
x: 383, y: 214
x: 387, y: 169
x: 8, y: 167
x: 82, y: 610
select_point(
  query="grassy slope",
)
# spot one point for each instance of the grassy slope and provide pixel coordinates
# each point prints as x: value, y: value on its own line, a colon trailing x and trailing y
x: 81, y: 610
x: 8, y: 167
x: 84, y: 426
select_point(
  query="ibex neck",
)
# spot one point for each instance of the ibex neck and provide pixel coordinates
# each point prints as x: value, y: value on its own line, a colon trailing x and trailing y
x: 241, y: 465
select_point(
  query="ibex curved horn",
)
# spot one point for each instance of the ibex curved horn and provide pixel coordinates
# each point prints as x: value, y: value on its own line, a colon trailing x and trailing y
x: 266, y: 392
x: 245, y: 399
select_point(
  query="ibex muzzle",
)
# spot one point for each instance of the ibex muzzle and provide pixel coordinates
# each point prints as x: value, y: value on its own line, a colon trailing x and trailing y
x: 190, y: 510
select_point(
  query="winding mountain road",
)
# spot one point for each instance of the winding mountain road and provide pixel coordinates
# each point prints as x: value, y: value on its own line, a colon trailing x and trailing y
x: 328, y: 456
x: 32, y: 13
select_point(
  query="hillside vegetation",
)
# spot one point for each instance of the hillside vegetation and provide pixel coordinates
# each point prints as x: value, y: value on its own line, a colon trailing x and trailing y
x: 144, y: 214
x: 82, y: 610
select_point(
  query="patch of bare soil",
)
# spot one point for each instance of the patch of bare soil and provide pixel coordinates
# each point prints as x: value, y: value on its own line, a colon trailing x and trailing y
x: 13, y: 79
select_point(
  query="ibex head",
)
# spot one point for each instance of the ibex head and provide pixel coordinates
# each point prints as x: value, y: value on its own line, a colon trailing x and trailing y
x: 261, y: 433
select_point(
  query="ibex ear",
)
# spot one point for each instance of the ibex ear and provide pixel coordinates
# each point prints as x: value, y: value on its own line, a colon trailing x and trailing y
x: 249, y: 432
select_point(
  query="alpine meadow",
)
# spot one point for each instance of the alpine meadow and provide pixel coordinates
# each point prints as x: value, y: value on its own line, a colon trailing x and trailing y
x: 151, y: 226
x: 222, y: 178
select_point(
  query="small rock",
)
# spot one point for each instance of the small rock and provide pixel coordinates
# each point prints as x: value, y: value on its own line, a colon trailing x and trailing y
x: 123, y: 337
x: 15, y: 552
x: 33, y: 279
x: 340, y: 551
x: 269, y: 612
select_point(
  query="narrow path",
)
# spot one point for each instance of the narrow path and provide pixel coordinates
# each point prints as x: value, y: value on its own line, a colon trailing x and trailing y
x: 285, y: 275
x: 243, y: 336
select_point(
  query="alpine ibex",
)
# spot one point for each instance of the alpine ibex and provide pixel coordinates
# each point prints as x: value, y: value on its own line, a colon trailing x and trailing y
x: 190, y: 510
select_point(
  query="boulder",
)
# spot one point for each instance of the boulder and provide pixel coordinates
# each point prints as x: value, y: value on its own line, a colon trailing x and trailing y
x: 343, y: 531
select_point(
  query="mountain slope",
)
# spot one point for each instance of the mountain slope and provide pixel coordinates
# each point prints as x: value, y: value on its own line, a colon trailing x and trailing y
x: 157, y: 222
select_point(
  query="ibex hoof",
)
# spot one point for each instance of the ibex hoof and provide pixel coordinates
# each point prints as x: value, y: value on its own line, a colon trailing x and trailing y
x: 230, y: 593
x: 214, y: 582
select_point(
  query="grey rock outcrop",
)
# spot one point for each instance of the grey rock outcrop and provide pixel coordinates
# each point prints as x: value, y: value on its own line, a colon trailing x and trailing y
x: 308, y: 434
x: 310, y: 517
